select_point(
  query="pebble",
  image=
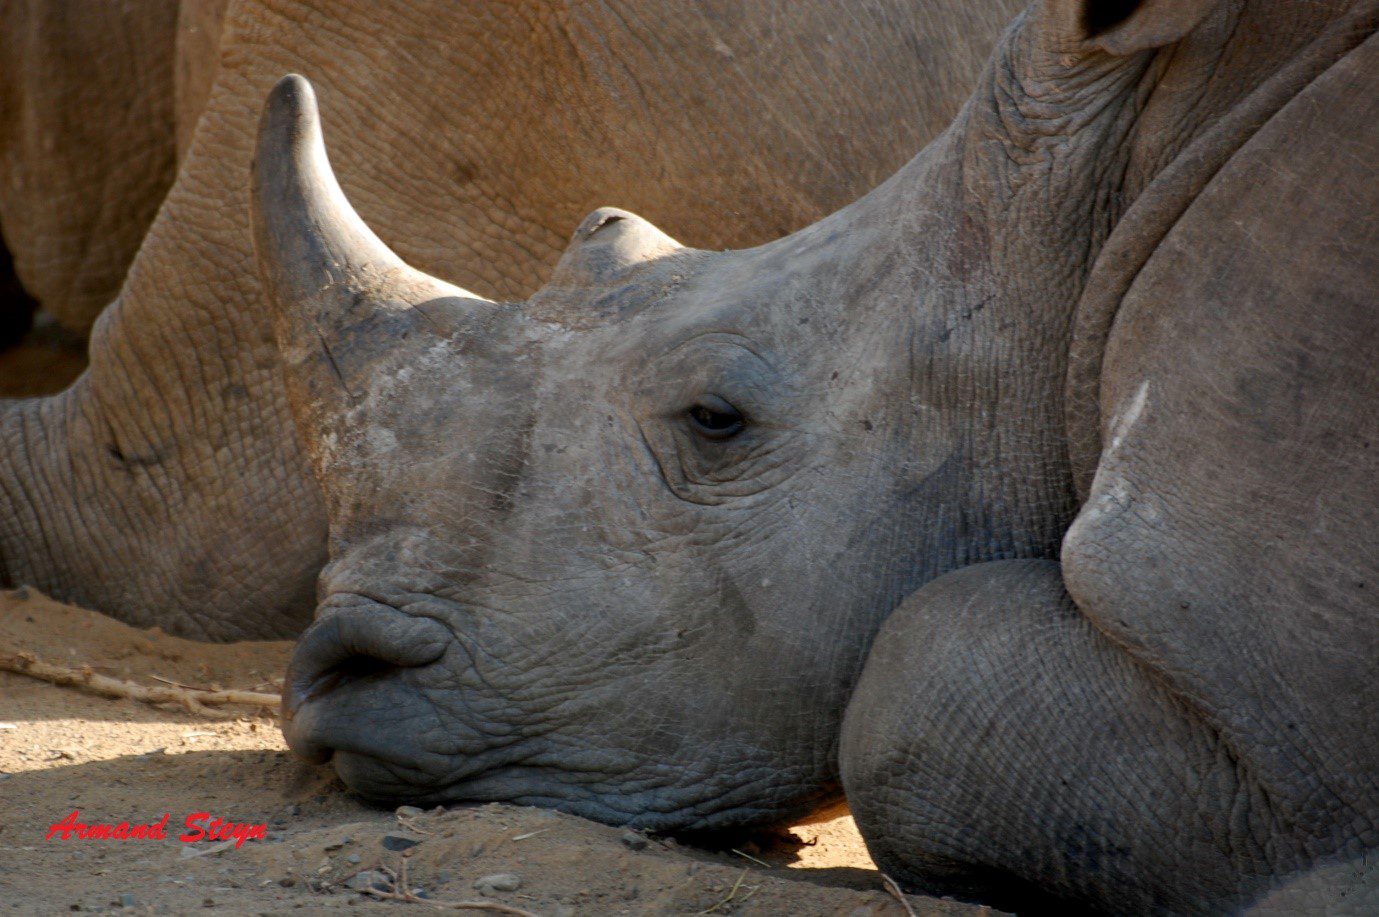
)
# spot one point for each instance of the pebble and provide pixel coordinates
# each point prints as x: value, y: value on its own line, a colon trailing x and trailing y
x: 354, y: 859
x: 633, y: 841
x: 409, y: 811
x: 397, y: 842
x: 498, y: 882
x: 369, y: 878
x: 126, y: 900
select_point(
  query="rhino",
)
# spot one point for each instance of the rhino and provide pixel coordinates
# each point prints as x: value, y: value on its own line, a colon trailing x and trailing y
x: 99, y: 104
x: 87, y: 151
x: 166, y: 487
x: 1030, y: 500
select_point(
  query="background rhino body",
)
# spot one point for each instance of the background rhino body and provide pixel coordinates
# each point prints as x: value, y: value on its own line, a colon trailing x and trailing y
x: 166, y: 486
x: 621, y: 549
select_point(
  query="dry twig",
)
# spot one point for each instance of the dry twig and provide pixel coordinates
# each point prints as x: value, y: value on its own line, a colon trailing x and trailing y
x: 193, y: 700
x: 748, y: 856
x: 897, y: 894
x: 402, y: 892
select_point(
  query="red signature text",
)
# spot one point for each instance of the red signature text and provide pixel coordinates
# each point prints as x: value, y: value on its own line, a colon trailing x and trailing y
x: 200, y: 827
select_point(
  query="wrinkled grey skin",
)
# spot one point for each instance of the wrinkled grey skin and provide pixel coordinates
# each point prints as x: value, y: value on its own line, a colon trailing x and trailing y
x: 166, y: 487
x: 1137, y: 663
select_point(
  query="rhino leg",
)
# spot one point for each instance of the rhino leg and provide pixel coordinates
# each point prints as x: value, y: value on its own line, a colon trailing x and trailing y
x: 999, y: 747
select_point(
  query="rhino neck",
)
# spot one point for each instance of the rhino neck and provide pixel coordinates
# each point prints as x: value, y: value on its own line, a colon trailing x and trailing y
x: 1008, y: 213
x: 152, y: 491
x: 1161, y: 182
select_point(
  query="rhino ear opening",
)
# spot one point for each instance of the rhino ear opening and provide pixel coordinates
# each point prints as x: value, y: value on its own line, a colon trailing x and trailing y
x: 342, y: 300
x: 1124, y: 27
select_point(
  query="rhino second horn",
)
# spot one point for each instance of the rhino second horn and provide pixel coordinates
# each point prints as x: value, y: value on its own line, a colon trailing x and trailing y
x: 340, y: 295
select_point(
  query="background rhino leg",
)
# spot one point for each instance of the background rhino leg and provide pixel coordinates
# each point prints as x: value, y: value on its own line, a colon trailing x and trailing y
x: 999, y: 747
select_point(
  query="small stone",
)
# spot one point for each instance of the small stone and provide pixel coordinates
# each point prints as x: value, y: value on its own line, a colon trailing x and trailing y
x: 126, y: 900
x: 354, y: 859
x: 497, y: 883
x: 633, y: 841
x: 564, y: 910
x: 369, y: 878
x: 397, y: 842
x: 332, y: 847
x: 444, y: 876
x: 287, y: 881
x: 409, y: 811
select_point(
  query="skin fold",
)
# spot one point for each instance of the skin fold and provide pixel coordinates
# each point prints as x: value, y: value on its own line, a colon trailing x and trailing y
x: 623, y: 548
x: 167, y: 485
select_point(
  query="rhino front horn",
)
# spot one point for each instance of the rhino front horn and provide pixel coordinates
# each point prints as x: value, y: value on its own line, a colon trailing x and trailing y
x: 342, y: 299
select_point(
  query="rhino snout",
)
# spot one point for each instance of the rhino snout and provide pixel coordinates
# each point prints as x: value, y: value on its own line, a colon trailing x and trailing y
x: 348, y: 645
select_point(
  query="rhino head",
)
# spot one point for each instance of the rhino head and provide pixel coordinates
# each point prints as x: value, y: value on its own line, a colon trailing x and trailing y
x: 621, y: 549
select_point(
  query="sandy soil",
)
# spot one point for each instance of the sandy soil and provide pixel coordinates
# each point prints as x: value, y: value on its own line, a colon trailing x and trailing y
x: 119, y: 760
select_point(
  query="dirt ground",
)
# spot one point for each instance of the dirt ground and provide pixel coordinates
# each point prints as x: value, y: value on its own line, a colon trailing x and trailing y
x: 120, y: 760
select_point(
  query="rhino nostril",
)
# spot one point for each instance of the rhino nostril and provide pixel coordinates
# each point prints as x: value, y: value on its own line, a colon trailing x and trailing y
x: 355, y: 668
x: 368, y: 641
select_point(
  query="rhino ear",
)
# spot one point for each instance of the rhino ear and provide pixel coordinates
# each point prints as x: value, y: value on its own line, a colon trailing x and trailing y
x: 1122, y: 27
x: 608, y: 243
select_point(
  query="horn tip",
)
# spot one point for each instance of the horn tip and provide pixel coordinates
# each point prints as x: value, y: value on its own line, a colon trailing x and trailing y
x: 291, y: 104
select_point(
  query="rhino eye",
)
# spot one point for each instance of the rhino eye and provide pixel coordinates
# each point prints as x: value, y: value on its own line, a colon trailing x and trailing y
x: 713, y: 418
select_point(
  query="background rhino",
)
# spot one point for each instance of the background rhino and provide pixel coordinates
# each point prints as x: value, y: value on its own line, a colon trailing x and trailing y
x: 1088, y: 385
x: 166, y: 487
x: 86, y: 150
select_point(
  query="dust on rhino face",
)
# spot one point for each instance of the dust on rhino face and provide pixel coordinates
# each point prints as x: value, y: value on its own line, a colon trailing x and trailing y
x: 620, y: 549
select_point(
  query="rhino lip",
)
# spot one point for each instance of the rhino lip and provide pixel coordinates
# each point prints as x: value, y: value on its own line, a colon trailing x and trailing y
x: 348, y: 644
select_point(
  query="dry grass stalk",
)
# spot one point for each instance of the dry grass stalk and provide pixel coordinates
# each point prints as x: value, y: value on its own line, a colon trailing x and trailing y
x: 401, y: 891
x: 894, y: 888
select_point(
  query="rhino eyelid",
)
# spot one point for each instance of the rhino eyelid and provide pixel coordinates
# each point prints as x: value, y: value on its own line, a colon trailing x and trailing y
x: 714, y: 418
